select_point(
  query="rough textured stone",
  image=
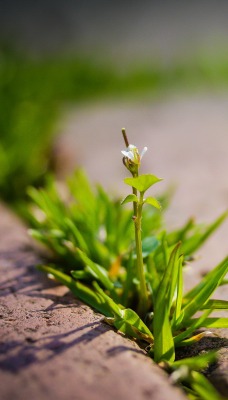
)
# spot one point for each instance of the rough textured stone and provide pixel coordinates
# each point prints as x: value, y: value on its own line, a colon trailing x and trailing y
x: 53, y: 347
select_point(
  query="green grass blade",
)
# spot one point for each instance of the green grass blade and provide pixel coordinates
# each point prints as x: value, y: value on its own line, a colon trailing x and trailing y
x: 213, y: 322
x: 197, y: 363
x: 215, y: 305
x: 195, y: 324
x: 180, y: 234
x: 210, y: 276
x: 163, y: 339
x: 131, y: 325
x: 201, y: 293
x: 168, y: 284
x: 96, y: 270
x: 178, y: 302
x: 153, y: 276
x: 204, y: 388
x: 77, y: 236
x: 128, y: 285
x: 126, y: 320
x: 196, y: 241
x: 80, y: 290
x: 115, y: 309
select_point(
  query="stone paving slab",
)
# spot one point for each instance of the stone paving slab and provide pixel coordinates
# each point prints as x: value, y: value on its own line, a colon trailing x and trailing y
x: 52, y: 347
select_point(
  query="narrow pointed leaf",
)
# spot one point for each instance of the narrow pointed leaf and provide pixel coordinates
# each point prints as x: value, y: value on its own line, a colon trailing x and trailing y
x: 113, y: 306
x: 126, y: 320
x: 168, y: 283
x: 97, y: 271
x: 213, y: 322
x: 193, y: 325
x: 196, y: 241
x: 197, y: 362
x: 208, y: 278
x: 131, y: 324
x: 163, y: 339
x: 78, y: 238
x: 204, y: 388
x: 178, y: 302
x: 215, y: 305
x: 192, y: 340
x: 202, y: 292
x: 80, y: 290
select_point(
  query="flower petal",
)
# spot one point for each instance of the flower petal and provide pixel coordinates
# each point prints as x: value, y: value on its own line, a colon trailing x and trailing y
x: 128, y: 154
x: 143, y: 152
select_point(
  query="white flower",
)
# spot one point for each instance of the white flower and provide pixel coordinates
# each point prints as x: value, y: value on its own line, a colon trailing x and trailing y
x: 132, y: 154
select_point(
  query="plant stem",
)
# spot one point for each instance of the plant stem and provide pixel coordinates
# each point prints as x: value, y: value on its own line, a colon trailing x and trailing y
x: 137, y: 208
x: 125, y: 137
x: 143, y: 294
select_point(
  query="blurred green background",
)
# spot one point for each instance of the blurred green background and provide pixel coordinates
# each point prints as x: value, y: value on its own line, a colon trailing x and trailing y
x: 58, y: 53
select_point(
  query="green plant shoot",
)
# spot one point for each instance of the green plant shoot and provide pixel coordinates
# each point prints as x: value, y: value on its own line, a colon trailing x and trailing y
x: 139, y: 183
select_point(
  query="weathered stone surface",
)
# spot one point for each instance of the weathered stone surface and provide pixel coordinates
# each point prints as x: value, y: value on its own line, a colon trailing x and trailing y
x: 53, y: 347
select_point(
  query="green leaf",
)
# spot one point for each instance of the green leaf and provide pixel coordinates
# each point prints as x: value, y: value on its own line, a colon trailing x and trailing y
x: 153, y: 276
x: 149, y: 244
x: 194, y: 324
x: 96, y: 270
x: 114, y: 308
x: 210, y: 276
x: 80, y: 290
x: 197, y: 362
x: 163, y: 339
x: 153, y: 202
x: 192, y: 340
x: 81, y: 275
x: 213, y: 322
x: 204, y: 388
x: 77, y: 236
x: 193, y: 243
x: 131, y: 325
x: 197, y: 297
x: 130, y: 198
x: 142, y: 182
x: 169, y: 281
x: 215, y: 305
x: 178, y: 302
x: 126, y: 320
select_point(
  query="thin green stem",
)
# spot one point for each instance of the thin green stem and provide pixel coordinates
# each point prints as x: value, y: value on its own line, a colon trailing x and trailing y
x: 143, y: 296
x: 137, y: 208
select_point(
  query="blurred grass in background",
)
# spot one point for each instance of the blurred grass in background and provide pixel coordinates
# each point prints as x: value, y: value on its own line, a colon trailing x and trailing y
x: 33, y: 91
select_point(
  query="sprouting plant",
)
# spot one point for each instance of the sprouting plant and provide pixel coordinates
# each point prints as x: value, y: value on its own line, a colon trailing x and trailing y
x: 134, y: 277
x: 140, y: 184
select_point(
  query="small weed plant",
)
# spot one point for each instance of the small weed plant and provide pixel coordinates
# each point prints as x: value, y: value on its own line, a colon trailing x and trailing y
x: 125, y: 265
